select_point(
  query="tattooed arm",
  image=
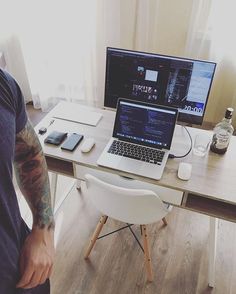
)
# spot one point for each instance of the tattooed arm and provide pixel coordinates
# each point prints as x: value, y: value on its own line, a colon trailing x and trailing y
x: 32, y: 177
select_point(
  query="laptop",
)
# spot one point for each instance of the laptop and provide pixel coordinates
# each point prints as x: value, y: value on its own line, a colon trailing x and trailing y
x: 141, y: 139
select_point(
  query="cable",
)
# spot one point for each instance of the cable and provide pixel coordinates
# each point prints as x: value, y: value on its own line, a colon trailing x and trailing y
x: 43, y: 130
x: 191, y: 146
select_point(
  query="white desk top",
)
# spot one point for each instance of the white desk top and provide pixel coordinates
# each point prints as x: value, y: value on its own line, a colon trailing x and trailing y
x: 212, y: 176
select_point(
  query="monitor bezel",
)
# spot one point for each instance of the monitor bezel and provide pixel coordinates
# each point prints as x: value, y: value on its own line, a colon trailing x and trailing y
x: 182, y: 117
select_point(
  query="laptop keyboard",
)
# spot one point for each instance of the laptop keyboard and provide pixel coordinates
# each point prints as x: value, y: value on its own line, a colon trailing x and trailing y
x: 136, y: 152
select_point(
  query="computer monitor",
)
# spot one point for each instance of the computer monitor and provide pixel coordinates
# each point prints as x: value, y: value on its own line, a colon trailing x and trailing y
x: 160, y: 79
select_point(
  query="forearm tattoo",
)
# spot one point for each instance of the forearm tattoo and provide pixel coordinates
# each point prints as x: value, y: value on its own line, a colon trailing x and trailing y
x: 32, y: 176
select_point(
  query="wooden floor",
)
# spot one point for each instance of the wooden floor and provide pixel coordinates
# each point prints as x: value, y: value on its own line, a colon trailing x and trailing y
x: 179, y: 252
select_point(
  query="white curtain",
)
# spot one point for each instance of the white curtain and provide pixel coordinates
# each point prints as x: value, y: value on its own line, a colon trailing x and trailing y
x: 64, y: 42
x: 10, y: 20
x: 212, y: 36
x: 202, y: 29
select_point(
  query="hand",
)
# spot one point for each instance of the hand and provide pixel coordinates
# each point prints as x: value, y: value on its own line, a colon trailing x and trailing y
x: 36, y: 259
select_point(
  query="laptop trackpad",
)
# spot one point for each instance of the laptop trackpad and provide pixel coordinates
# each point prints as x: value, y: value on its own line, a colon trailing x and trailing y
x: 129, y: 165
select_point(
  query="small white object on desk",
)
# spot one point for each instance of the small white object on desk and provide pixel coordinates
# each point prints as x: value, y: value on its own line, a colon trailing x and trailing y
x: 184, y: 171
x: 87, y: 145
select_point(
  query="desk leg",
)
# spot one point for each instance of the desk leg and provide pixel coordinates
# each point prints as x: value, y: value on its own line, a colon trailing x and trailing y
x: 58, y: 200
x: 54, y: 179
x: 212, y: 251
x: 78, y: 184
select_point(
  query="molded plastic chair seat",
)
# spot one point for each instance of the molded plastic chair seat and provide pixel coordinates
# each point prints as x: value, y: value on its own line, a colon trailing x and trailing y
x: 133, y: 206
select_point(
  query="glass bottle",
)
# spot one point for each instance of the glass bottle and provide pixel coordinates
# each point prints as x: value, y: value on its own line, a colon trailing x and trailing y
x: 222, y: 133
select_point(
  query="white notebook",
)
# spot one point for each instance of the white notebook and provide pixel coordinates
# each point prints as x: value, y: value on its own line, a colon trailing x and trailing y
x: 77, y: 113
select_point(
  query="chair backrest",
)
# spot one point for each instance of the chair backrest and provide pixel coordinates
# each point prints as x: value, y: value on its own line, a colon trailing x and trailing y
x: 134, y: 206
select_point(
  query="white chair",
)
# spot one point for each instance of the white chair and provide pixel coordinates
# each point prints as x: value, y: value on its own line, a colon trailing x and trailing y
x: 132, y: 206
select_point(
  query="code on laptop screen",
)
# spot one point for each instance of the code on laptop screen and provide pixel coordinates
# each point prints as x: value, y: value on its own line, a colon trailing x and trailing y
x: 145, y: 124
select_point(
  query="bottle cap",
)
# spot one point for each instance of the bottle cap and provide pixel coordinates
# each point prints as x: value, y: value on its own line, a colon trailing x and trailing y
x: 229, y: 112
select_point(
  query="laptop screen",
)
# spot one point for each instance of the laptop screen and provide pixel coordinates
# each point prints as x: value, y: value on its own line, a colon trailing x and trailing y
x: 145, y: 124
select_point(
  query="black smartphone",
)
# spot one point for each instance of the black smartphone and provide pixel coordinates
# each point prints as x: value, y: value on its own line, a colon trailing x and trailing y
x: 72, y: 142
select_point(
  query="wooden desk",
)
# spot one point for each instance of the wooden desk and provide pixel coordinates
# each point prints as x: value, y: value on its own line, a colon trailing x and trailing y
x: 211, y: 189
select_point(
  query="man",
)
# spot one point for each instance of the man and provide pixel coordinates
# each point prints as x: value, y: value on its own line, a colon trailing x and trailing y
x: 26, y: 256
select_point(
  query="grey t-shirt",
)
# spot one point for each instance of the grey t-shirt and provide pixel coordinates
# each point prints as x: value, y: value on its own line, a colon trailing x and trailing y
x: 13, y: 230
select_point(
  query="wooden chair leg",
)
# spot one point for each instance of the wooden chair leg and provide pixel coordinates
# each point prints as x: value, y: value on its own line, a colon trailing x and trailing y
x: 164, y: 221
x: 147, y: 253
x: 96, y: 233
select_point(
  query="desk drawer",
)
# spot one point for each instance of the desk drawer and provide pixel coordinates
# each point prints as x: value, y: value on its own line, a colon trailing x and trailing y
x: 60, y: 166
x: 168, y: 195
x: 212, y: 207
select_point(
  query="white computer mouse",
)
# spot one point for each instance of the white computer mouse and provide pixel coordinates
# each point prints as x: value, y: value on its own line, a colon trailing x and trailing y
x: 184, y: 171
x: 87, y: 145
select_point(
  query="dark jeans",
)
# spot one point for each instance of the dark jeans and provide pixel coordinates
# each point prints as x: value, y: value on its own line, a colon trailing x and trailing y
x: 11, y: 289
x: 42, y: 289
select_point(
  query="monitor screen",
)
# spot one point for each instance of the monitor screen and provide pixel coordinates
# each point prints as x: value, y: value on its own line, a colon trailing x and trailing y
x: 166, y: 80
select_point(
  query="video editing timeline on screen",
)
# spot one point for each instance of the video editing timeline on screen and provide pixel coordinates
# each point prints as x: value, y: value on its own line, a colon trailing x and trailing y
x: 166, y: 80
x: 152, y: 127
x: 163, y: 81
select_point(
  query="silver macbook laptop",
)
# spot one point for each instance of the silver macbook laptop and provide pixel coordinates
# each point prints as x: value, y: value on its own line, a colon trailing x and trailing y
x: 141, y: 140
